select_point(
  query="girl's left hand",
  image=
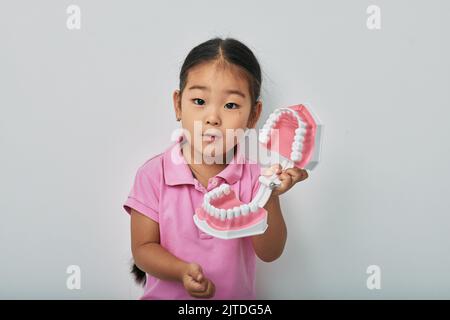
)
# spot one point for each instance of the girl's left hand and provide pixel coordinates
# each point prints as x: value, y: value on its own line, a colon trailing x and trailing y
x: 288, y: 178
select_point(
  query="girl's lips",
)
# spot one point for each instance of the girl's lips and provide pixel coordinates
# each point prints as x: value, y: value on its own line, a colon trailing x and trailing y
x: 210, y: 138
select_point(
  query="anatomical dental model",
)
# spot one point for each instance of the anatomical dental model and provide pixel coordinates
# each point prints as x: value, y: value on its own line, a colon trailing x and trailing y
x: 294, y: 135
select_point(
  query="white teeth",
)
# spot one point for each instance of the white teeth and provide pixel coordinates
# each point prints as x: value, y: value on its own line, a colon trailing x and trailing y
x: 264, y: 134
x: 296, y: 156
x: 220, y: 213
x: 297, y: 146
x: 223, y: 214
x: 253, y: 207
x: 228, y: 213
x: 236, y: 212
x: 300, y: 131
x: 303, y: 125
x: 245, y: 209
x: 299, y: 138
x: 231, y: 213
x: 223, y: 189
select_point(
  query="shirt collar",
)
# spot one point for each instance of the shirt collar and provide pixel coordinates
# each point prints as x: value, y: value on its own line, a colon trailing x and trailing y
x: 233, y: 171
x: 176, y: 170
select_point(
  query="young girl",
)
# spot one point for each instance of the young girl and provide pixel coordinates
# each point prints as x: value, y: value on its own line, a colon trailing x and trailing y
x: 220, y: 84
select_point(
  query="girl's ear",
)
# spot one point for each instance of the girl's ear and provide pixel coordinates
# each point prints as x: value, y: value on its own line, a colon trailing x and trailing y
x: 177, y: 103
x: 254, y: 116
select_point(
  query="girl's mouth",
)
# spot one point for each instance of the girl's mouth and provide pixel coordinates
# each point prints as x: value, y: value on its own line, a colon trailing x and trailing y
x: 211, y: 137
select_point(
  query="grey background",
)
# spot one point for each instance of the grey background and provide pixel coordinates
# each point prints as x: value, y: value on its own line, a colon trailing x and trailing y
x: 81, y: 110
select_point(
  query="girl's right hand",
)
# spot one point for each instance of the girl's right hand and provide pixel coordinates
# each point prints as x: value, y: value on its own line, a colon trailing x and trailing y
x: 195, y: 282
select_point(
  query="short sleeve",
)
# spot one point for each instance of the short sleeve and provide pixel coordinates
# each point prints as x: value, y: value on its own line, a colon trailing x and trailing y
x: 144, y: 194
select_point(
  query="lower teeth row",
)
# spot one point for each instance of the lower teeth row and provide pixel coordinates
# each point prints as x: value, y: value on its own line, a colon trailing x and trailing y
x: 235, y: 212
x: 231, y: 213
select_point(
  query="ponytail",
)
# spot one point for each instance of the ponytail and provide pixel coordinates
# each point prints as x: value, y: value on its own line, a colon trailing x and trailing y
x: 139, y: 275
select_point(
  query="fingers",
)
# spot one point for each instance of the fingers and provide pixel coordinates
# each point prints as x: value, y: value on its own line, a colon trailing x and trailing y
x: 197, y: 287
x: 207, y: 293
x: 286, y: 183
x: 297, y: 174
x: 196, y: 272
x: 285, y: 178
x: 196, y: 281
x: 288, y: 178
x: 211, y: 291
x: 276, y: 168
x: 196, y: 284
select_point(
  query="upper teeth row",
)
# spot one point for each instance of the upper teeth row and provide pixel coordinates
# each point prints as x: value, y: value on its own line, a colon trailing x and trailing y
x: 223, y: 214
x: 299, y: 137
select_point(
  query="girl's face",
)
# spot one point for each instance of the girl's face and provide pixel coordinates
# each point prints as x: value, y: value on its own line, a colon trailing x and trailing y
x: 214, y: 107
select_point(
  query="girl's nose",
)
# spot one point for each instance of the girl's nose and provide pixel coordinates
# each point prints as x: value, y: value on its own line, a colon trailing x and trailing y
x: 213, y: 119
x: 213, y: 122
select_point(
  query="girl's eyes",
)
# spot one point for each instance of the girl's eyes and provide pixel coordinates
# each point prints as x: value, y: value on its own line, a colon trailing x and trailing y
x: 232, y: 103
x: 199, y: 100
x: 229, y: 106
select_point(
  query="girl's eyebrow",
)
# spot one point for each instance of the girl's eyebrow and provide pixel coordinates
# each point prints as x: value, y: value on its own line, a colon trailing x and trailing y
x: 229, y: 91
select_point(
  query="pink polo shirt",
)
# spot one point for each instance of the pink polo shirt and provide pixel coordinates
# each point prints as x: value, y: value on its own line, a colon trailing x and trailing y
x: 167, y: 192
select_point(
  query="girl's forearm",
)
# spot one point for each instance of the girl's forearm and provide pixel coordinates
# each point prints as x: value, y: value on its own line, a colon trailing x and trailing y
x: 270, y: 245
x: 160, y: 263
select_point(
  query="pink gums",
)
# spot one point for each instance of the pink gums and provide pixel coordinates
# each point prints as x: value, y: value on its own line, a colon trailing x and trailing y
x: 286, y: 126
x: 229, y: 202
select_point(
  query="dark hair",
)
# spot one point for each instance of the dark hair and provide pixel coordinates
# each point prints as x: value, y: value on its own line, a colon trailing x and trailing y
x: 139, y: 275
x: 228, y: 51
